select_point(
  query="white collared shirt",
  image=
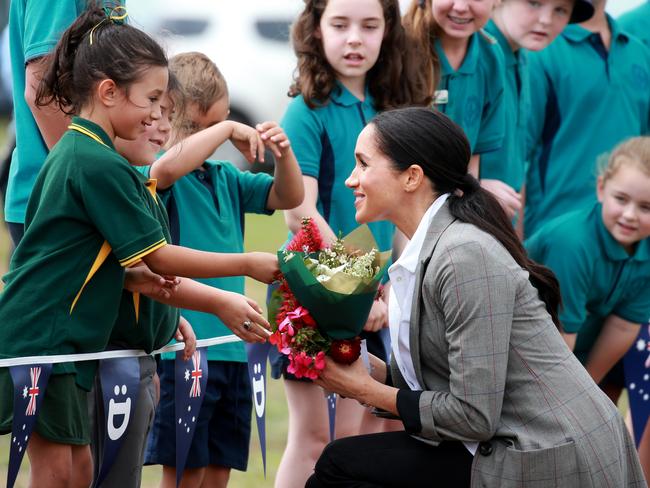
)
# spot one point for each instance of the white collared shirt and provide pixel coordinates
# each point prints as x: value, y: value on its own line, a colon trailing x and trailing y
x: 402, y: 281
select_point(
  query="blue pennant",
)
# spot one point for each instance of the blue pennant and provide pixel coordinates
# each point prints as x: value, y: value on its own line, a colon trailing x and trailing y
x: 120, y: 383
x: 637, y: 381
x: 257, y: 358
x: 330, y: 398
x: 30, y: 383
x: 191, y: 379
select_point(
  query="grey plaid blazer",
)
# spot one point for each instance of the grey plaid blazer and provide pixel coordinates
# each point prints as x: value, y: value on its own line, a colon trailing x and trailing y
x: 495, y: 369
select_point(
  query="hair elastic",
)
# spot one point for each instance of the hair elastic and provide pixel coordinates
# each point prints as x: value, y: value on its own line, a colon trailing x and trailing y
x: 117, y: 15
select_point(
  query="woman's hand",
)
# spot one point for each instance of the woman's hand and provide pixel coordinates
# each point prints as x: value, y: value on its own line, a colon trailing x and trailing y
x: 509, y: 199
x: 140, y: 279
x: 350, y: 381
x: 262, y: 266
x: 378, y: 318
x: 185, y: 334
x: 242, y: 316
x: 247, y: 141
x: 274, y: 138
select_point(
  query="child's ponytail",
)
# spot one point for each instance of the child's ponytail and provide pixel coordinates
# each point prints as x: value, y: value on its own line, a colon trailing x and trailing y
x: 439, y: 146
x: 98, y: 45
x: 421, y: 32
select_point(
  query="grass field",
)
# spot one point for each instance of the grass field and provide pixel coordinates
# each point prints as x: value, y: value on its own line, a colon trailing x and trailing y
x: 262, y: 234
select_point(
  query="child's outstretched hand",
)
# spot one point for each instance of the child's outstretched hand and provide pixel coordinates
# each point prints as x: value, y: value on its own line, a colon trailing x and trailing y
x: 185, y: 334
x: 243, y: 316
x: 140, y: 279
x: 262, y: 266
x: 247, y: 141
x: 274, y: 137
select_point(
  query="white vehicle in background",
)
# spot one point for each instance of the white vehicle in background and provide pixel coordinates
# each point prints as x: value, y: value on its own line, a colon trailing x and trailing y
x: 248, y: 41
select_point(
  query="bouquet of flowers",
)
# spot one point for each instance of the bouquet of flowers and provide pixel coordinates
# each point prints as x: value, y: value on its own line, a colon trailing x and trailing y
x: 324, y: 298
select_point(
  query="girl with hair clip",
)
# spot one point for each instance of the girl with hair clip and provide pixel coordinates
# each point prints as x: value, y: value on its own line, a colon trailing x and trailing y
x: 351, y: 63
x: 466, y: 68
x: 601, y: 256
x: 91, y: 216
x: 531, y: 25
x: 487, y: 391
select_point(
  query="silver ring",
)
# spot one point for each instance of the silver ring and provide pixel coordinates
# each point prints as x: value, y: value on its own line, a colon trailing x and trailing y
x: 247, y: 324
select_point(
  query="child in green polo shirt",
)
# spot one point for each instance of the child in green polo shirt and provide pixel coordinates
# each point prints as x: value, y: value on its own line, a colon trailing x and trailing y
x: 590, y: 90
x: 207, y: 202
x: 89, y: 217
x: 518, y: 26
x: 601, y: 257
x: 466, y: 67
x: 637, y: 22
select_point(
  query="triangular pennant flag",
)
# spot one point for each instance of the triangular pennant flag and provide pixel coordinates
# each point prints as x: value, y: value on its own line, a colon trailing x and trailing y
x: 120, y: 383
x: 191, y: 380
x: 30, y: 383
x: 330, y: 398
x: 257, y: 357
x: 637, y: 381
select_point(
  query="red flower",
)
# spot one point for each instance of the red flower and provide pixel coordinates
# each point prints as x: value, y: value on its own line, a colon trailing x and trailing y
x: 346, y: 351
x: 307, y: 239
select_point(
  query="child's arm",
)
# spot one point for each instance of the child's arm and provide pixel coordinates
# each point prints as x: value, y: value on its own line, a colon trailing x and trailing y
x: 614, y: 340
x: 170, y: 260
x: 287, y: 190
x: 141, y: 279
x: 232, y: 308
x: 190, y: 153
x: 185, y: 334
x: 307, y: 208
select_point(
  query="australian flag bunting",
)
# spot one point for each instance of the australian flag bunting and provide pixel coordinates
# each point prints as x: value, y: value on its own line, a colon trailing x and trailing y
x: 120, y: 384
x: 191, y: 380
x: 30, y: 383
x: 636, y: 364
x: 257, y: 358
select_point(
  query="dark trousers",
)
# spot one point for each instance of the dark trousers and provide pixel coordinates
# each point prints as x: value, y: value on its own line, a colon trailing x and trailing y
x: 391, y: 459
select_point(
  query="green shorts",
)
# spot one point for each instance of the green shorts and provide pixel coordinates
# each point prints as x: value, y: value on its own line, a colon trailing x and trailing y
x: 64, y: 412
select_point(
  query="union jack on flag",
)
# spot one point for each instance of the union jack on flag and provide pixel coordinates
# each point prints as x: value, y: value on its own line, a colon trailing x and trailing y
x: 33, y: 391
x: 197, y: 374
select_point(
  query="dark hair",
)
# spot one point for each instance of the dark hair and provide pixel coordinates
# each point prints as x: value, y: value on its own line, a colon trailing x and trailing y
x: 389, y: 80
x: 118, y: 51
x: 442, y: 151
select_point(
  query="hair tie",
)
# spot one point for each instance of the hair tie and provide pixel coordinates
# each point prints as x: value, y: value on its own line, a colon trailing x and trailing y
x: 421, y: 3
x: 469, y: 184
x: 116, y: 15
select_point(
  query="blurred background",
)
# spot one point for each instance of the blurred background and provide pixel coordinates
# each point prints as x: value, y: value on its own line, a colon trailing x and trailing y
x: 249, y: 42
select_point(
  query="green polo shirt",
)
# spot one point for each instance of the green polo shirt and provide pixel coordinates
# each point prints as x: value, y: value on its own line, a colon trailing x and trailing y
x: 507, y: 164
x: 85, y: 195
x: 143, y: 323
x: 637, y: 22
x: 597, y: 277
x: 206, y: 211
x: 35, y: 27
x: 579, y: 114
x: 475, y: 92
x: 323, y: 140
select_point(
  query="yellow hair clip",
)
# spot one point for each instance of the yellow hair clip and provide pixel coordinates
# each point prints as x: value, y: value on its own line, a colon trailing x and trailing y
x: 117, y: 15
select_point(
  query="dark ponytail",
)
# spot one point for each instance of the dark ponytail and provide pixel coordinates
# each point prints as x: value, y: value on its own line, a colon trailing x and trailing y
x: 118, y: 51
x: 430, y: 139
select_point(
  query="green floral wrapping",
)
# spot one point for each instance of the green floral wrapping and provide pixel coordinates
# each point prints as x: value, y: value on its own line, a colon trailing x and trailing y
x: 340, y: 306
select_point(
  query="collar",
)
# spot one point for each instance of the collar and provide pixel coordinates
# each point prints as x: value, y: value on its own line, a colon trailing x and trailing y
x: 410, y: 256
x: 509, y: 55
x: 91, y: 130
x: 612, y: 248
x: 342, y: 96
x: 577, y: 33
x: 468, y: 66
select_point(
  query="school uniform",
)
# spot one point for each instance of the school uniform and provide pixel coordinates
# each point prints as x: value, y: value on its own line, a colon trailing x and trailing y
x: 206, y: 210
x: 34, y: 29
x: 597, y: 277
x: 473, y: 95
x: 146, y: 324
x: 637, y: 22
x: 584, y: 101
x: 76, y: 246
x: 323, y: 140
x: 507, y: 164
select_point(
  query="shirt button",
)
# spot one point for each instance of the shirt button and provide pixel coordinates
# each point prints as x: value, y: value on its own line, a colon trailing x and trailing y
x: 399, y: 279
x: 485, y: 448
